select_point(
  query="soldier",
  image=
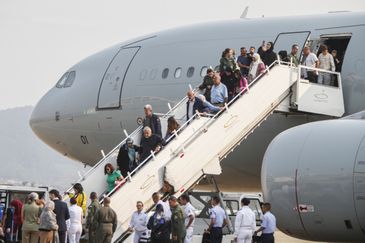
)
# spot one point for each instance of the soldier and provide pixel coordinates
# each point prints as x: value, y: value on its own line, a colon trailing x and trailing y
x: 177, y: 221
x: 106, y: 221
x: 90, y: 220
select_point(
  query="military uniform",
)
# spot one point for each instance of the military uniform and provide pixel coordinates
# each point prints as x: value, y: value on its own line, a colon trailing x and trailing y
x: 106, y: 221
x: 177, y: 224
x: 90, y: 220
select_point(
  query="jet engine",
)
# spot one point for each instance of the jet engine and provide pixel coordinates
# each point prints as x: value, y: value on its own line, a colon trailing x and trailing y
x: 314, y: 177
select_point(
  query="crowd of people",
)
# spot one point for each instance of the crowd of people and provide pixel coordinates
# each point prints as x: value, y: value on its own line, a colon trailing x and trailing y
x: 54, y: 221
x: 218, y: 88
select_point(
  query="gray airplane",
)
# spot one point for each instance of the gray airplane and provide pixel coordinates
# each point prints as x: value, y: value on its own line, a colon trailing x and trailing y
x: 103, y: 94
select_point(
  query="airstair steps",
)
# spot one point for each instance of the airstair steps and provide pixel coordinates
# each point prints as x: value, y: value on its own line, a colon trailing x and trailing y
x: 199, y: 146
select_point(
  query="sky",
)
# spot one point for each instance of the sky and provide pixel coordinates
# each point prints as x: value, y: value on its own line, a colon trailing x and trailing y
x: 40, y: 39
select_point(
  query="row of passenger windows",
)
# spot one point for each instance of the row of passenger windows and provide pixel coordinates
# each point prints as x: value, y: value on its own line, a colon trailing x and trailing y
x: 66, y: 80
x: 69, y: 77
x: 177, y: 73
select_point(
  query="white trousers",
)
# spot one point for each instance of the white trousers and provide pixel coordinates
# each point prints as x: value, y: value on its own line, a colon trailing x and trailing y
x: 74, y: 233
x: 189, y: 235
x: 244, y: 236
x: 137, y: 236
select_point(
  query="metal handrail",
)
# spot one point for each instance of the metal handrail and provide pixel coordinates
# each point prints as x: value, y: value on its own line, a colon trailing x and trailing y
x: 124, y: 180
x: 105, y: 157
x: 212, y: 119
x: 138, y: 130
x: 207, y: 123
x: 319, y: 70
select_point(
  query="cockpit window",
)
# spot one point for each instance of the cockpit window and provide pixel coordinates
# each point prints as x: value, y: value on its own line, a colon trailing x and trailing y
x: 66, y: 80
x: 70, y: 79
x: 62, y: 81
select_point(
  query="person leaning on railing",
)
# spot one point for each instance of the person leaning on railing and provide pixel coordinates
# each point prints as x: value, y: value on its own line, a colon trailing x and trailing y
x: 149, y: 142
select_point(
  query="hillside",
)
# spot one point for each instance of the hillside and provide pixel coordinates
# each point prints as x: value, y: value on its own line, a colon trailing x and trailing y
x: 25, y: 158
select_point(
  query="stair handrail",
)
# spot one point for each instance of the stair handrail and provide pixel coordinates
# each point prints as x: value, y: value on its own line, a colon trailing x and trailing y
x: 136, y: 131
x: 152, y: 154
x: 206, y: 124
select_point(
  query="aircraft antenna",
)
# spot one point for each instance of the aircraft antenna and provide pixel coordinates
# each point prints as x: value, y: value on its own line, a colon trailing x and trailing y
x: 244, y: 13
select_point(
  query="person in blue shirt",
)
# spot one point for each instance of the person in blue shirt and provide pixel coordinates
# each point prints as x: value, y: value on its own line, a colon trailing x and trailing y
x: 268, y: 225
x: 244, y: 62
x: 218, y: 219
x: 219, y: 92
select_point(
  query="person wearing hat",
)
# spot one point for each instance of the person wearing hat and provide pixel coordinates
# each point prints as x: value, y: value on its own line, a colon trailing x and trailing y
x: 178, y: 230
x: 30, y: 216
x: 159, y: 226
x: 245, y: 223
x: 127, y: 157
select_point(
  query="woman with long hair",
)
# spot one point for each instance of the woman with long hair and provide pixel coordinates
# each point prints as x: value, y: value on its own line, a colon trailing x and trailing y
x: 80, y: 196
x: 227, y: 60
x: 172, y: 125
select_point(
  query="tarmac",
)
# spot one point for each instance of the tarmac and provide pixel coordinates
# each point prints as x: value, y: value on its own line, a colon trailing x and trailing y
x: 280, y: 237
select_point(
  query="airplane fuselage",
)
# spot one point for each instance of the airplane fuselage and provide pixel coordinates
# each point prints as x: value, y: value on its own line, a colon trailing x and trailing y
x: 111, y: 87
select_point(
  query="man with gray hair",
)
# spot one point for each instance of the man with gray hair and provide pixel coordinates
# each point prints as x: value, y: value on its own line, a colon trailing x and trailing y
x: 151, y: 120
x: 149, y: 142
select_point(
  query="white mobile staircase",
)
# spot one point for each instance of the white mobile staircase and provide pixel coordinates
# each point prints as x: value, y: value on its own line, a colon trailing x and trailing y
x: 203, y: 141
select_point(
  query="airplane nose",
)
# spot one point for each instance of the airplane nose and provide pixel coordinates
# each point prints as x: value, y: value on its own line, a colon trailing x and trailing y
x: 41, y: 117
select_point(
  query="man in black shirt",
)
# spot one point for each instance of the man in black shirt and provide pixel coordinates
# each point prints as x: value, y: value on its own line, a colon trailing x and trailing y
x: 149, y: 142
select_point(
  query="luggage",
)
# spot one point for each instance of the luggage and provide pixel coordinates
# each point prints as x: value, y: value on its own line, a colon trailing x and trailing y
x: 206, y: 237
x: 256, y: 239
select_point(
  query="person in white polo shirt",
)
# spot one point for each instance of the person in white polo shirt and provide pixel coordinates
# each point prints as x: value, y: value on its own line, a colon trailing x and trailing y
x: 138, y: 223
x: 189, y: 215
x: 245, y: 223
x: 268, y: 225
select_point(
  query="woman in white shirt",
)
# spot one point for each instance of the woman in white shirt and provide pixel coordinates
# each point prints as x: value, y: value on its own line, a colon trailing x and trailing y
x: 75, y: 228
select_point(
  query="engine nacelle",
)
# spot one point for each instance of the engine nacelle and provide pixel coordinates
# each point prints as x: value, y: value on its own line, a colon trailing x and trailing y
x: 314, y: 177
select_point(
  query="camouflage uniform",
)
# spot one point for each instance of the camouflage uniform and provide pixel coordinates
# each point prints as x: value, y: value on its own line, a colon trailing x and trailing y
x: 177, y: 224
x: 90, y: 220
x: 106, y: 224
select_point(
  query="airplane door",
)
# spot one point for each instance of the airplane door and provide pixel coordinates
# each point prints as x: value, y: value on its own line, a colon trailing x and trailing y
x: 284, y: 41
x: 111, y: 86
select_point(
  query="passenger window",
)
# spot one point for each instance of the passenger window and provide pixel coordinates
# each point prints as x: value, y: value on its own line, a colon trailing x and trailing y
x: 70, y: 79
x: 143, y: 74
x: 165, y: 73
x: 62, y: 81
x: 178, y: 72
x: 203, y: 71
x: 153, y: 74
x: 190, y: 72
